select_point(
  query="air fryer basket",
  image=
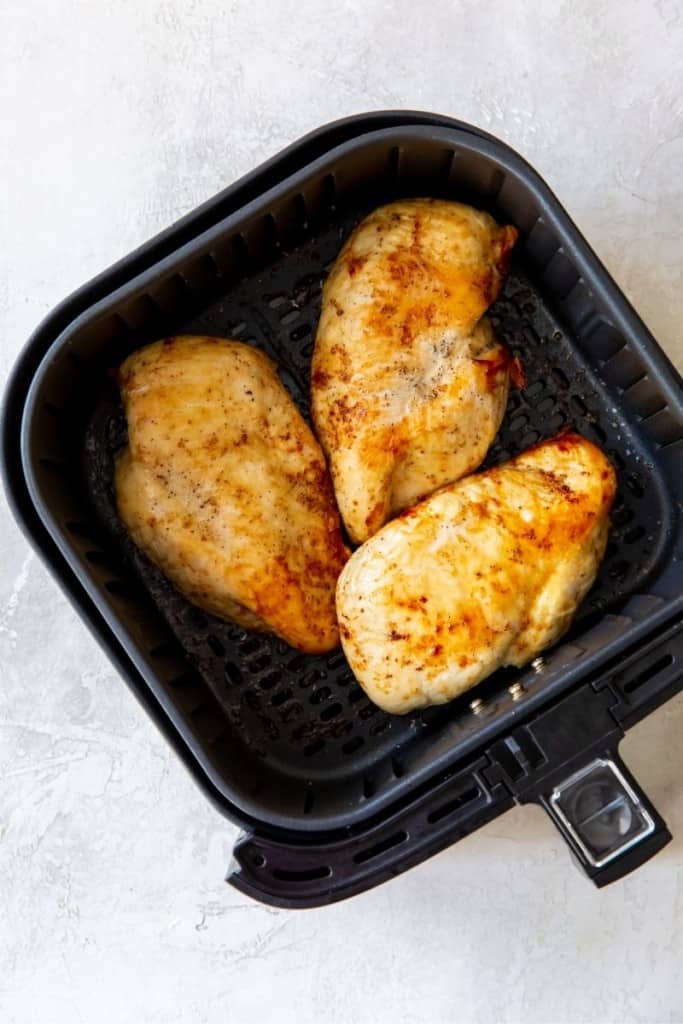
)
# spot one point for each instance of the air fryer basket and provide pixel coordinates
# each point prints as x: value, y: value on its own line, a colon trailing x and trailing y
x: 289, y: 743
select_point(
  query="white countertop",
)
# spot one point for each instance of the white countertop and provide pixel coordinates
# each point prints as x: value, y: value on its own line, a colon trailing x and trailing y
x: 118, y: 118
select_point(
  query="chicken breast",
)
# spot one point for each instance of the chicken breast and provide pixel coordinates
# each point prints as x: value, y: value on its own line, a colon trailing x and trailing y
x: 224, y: 487
x: 409, y: 384
x: 486, y: 572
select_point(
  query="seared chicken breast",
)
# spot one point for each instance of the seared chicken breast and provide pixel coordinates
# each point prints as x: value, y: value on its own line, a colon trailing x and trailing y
x: 224, y: 487
x: 487, y: 572
x: 409, y: 384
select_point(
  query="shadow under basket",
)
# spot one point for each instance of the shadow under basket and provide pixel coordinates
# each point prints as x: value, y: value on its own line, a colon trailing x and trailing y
x: 333, y: 794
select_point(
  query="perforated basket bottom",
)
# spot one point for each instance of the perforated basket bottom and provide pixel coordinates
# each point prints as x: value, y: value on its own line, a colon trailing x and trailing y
x: 305, y: 715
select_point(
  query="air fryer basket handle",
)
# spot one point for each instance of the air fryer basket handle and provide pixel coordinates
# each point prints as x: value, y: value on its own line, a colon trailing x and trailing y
x: 566, y: 759
x: 606, y: 819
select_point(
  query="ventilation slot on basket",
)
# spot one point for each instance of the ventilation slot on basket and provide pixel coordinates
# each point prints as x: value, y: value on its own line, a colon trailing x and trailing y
x: 540, y: 243
x: 598, y: 432
x: 449, y: 158
x: 124, y: 589
x: 560, y: 378
x: 251, y: 645
x: 331, y: 711
x: 626, y: 370
x: 294, y: 220
x: 560, y: 275
x: 280, y: 698
x: 180, y: 680
x: 172, y: 295
x: 164, y: 650
x: 394, y: 164
x: 102, y: 559
x: 141, y: 313
x: 270, y: 680
x: 302, y: 331
x: 240, y: 251
x: 453, y: 805
x: 648, y: 673
x: 352, y: 745
x: 271, y: 238
x: 494, y: 184
x: 290, y: 316
x: 368, y: 788
x: 210, y: 263
x: 635, y: 485
x: 604, y: 341
x: 663, y: 428
x: 379, y: 848
x: 307, y: 875
x: 651, y: 409
x: 290, y: 712
x: 329, y: 192
x: 318, y: 696
x: 216, y: 646
x: 233, y: 675
x: 81, y: 530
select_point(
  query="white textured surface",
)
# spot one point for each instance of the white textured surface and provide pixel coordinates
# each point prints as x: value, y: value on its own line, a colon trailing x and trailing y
x: 117, y: 118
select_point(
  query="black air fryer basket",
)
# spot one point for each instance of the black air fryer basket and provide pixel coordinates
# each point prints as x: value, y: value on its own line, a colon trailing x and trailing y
x: 332, y: 794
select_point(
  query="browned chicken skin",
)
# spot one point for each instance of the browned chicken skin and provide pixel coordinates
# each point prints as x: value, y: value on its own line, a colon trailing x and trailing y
x: 487, y: 572
x: 225, y: 488
x: 409, y: 384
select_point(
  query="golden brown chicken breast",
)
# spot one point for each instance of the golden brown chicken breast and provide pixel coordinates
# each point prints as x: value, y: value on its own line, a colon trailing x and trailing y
x: 409, y: 384
x: 225, y: 488
x: 486, y: 572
